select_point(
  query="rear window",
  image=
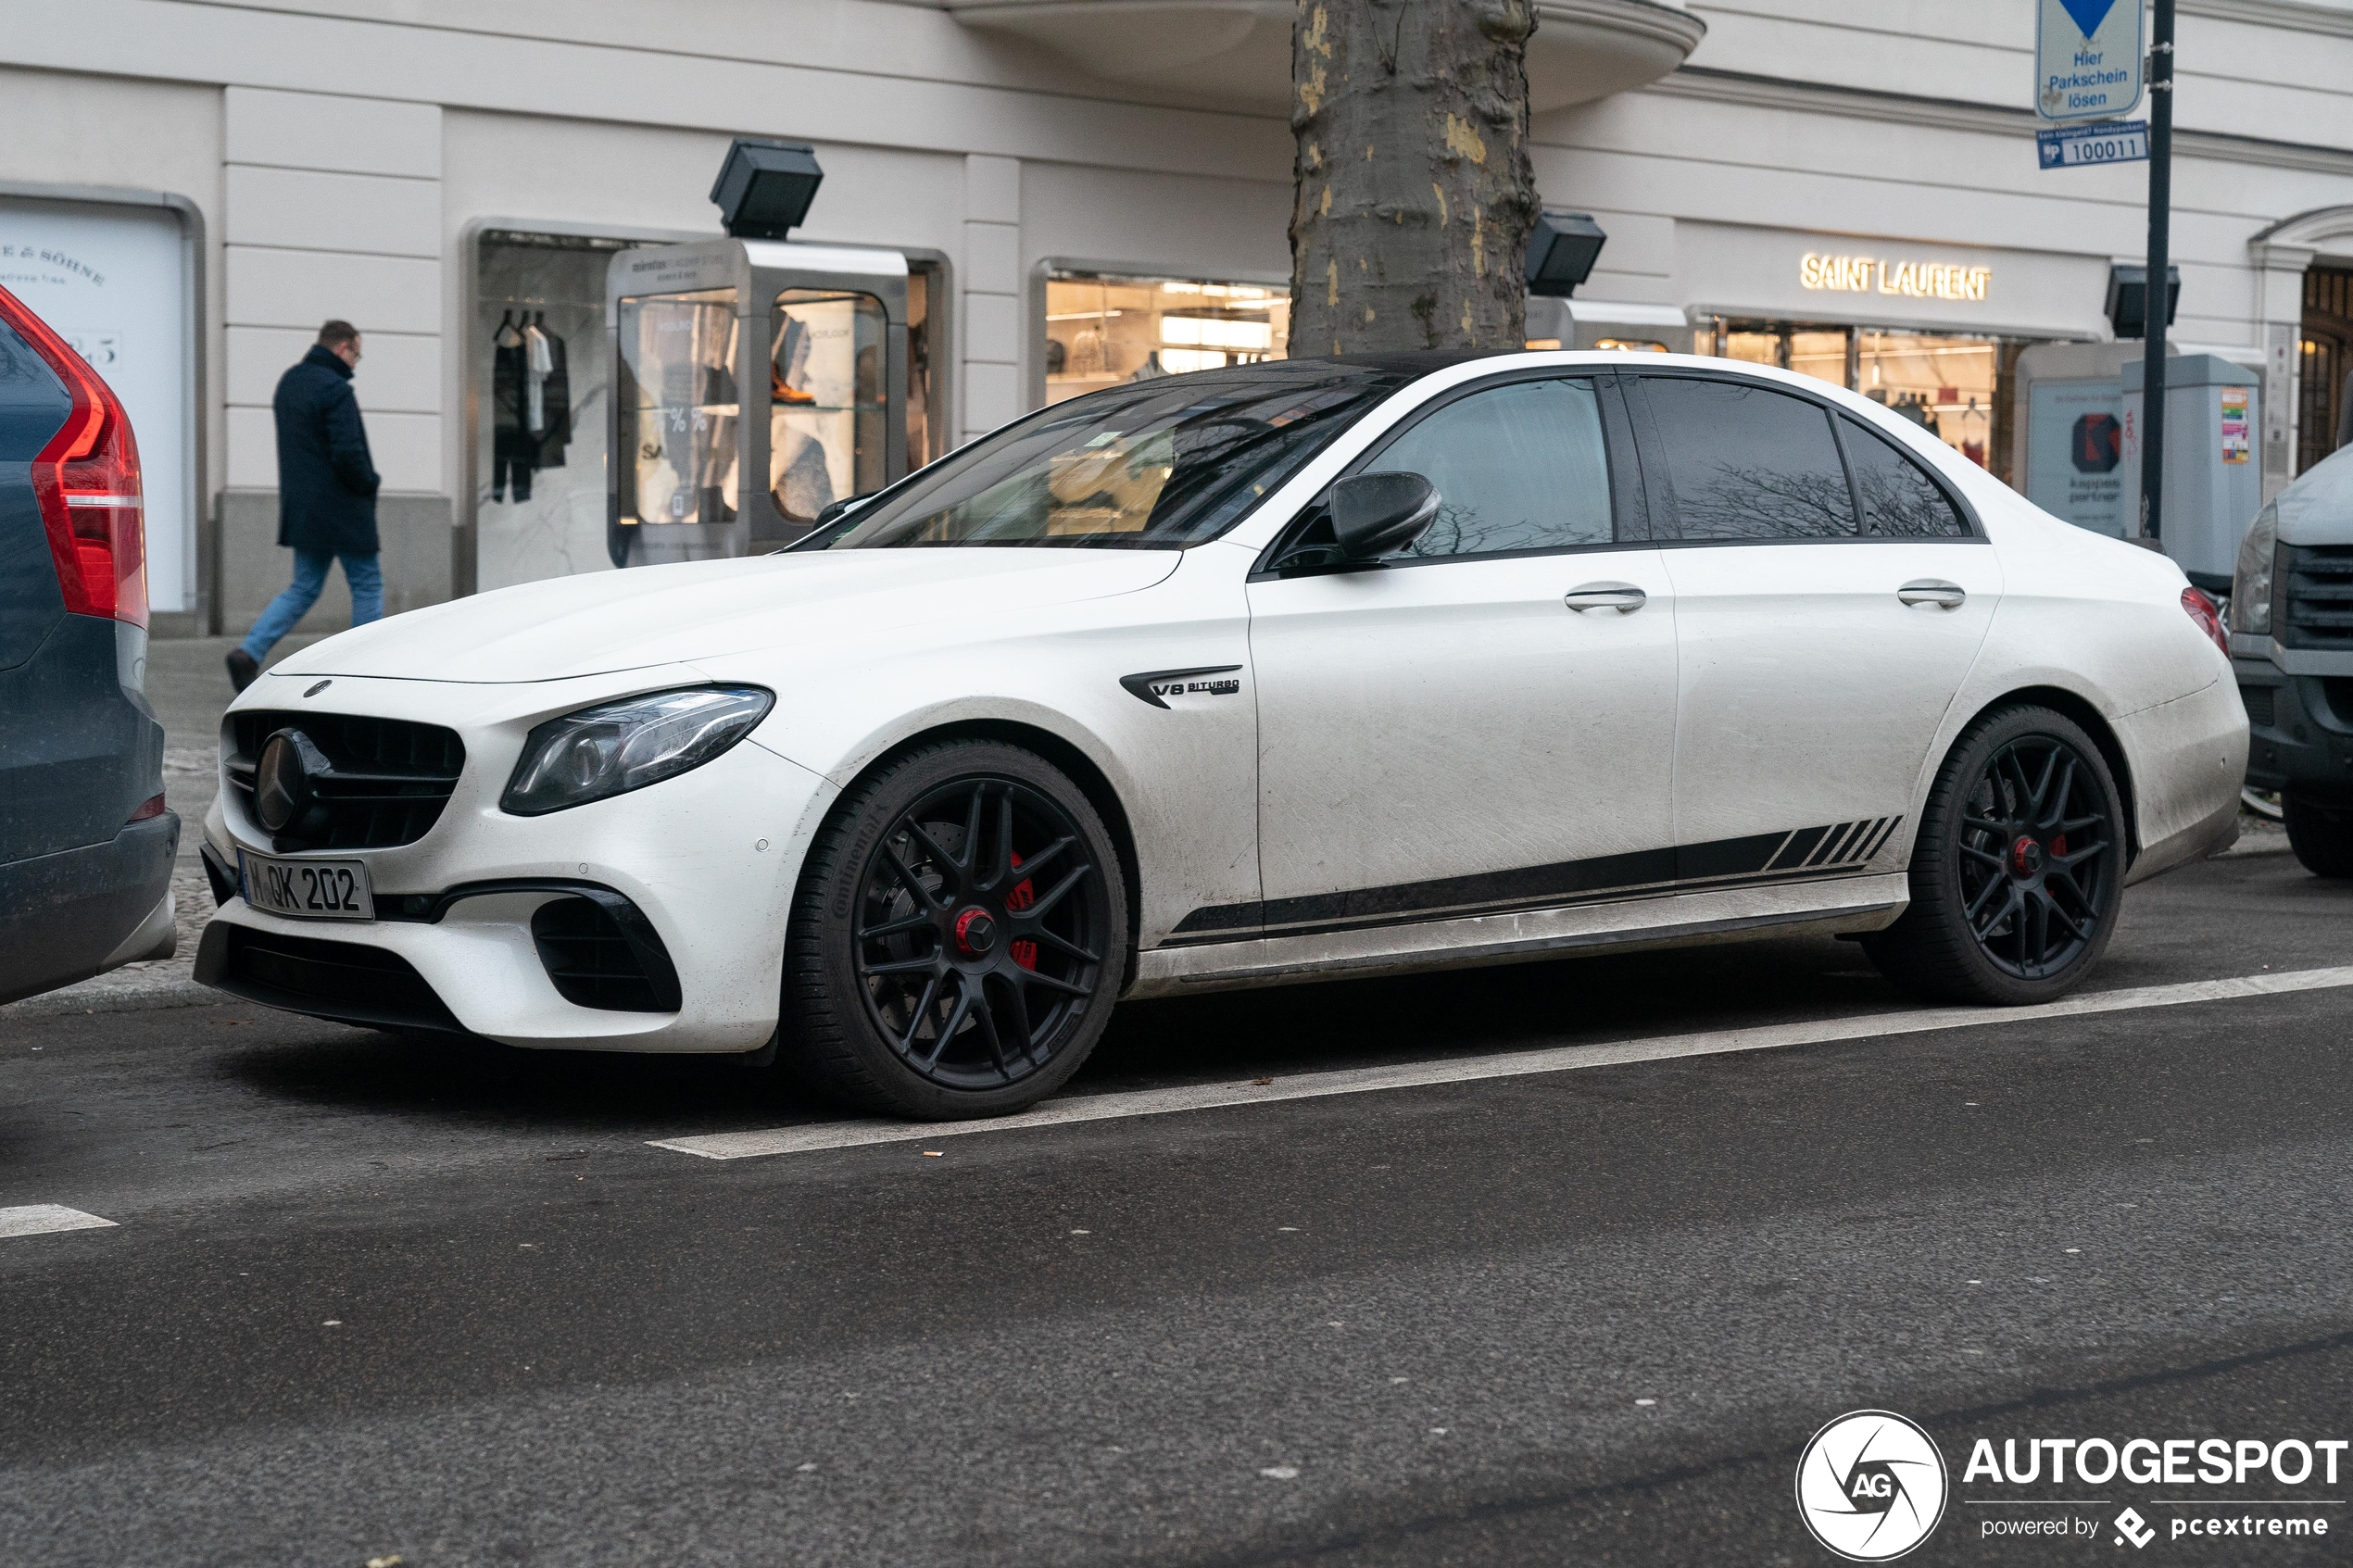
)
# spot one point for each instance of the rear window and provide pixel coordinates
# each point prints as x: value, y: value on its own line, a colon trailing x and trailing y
x: 1899, y: 500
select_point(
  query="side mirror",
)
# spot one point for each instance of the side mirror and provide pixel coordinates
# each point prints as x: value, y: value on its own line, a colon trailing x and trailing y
x: 833, y: 510
x: 1374, y: 514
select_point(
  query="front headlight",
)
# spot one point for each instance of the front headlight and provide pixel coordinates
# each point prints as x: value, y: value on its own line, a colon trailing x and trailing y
x: 618, y: 747
x: 2251, y: 581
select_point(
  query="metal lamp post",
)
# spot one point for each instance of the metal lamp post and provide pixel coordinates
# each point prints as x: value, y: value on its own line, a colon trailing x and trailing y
x: 2157, y: 296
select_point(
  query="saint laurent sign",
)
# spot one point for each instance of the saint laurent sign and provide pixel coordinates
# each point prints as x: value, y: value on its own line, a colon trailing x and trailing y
x: 1870, y: 274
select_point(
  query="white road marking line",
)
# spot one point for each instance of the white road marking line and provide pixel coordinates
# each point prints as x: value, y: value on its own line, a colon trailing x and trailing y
x: 1512, y: 1064
x: 40, y: 1219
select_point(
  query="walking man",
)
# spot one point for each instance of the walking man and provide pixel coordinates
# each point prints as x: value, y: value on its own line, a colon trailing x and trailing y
x: 326, y: 495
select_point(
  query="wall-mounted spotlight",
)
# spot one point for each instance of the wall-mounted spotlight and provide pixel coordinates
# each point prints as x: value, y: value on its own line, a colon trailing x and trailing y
x: 764, y: 188
x: 1561, y: 252
x: 2127, y: 290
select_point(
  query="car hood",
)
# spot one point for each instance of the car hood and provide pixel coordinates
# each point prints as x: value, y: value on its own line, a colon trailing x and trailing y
x: 604, y: 621
x: 2317, y: 506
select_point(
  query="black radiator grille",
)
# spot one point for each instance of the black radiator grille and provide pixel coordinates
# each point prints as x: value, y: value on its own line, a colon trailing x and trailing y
x: 594, y: 964
x: 390, y: 781
x: 2315, y: 606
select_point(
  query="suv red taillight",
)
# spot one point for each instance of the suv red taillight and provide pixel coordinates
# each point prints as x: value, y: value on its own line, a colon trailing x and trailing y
x: 87, y: 483
x: 2209, y: 620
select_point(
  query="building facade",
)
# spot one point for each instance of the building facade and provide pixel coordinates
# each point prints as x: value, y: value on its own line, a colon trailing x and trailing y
x: 1084, y: 190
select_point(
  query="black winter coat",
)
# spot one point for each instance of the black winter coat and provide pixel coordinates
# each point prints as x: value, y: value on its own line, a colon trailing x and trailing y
x: 326, y: 482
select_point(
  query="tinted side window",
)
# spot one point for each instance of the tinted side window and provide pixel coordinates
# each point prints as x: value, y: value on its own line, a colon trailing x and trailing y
x: 1899, y: 500
x: 33, y: 402
x: 1746, y: 462
x: 1519, y: 467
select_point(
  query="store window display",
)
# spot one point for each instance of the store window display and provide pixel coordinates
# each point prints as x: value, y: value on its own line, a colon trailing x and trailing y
x: 828, y: 413
x: 924, y: 431
x: 1958, y: 388
x: 537, y: 364
x: 1103, y: 330
x: 531, y: 402
x: 678, y: 407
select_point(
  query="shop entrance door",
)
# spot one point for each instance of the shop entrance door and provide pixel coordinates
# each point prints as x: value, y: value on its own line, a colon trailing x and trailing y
x: 2324, y: 404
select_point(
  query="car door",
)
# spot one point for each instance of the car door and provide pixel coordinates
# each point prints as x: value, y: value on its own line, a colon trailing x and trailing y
x: 1831, y: 594
x: 1484, y: 720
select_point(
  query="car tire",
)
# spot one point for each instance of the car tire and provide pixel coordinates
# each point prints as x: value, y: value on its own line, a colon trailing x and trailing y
x: 958, y: 936
x: 2010, y: 905
x: 2320, y: 836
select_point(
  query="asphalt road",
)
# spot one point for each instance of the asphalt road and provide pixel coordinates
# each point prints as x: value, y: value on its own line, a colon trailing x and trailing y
x: 366, y: 1297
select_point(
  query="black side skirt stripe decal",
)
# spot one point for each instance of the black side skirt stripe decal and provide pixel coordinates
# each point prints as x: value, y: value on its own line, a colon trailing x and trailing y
x: 1728, y: 862
x: 1835, y: 841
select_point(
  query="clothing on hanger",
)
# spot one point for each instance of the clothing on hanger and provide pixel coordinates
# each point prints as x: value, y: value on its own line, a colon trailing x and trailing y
x: 511, y: 450
x: 539, y: 361
x: 557, y: 398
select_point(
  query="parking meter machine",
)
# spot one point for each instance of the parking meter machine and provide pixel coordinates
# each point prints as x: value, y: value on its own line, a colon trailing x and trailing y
x: 2213, y: 485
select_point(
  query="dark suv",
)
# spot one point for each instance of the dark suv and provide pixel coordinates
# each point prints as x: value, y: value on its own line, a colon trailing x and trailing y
x: 86, y: 845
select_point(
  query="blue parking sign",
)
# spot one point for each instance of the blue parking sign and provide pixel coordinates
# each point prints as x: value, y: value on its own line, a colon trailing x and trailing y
x: 2088, y: 58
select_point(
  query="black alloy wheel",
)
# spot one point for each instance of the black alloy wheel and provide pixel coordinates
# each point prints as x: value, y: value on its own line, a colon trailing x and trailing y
x: 960, y: 937
x: 2019, y: 869
x: 981, y: 929
x: 2037, y: 851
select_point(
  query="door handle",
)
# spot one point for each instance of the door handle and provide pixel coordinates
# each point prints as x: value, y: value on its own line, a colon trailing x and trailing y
x: 1623, y: 597
x: 1932, y: 590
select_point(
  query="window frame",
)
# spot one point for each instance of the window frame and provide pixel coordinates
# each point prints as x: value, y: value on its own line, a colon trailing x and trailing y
x: 1840, y: 419
x: 1667, y: 526
x: 1629, y: 507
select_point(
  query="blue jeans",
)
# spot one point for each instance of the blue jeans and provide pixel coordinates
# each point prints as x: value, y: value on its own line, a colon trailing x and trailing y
x: 367, y: 580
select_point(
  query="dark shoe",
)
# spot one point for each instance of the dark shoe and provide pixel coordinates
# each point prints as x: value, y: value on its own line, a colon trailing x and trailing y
x: 243, y: 668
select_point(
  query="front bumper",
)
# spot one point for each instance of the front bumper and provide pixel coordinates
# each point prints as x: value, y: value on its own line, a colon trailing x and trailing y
x: 708, y: 860
x: 2301, y: 740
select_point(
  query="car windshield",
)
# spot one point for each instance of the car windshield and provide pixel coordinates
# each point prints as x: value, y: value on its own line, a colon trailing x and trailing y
x: 1153, y: 465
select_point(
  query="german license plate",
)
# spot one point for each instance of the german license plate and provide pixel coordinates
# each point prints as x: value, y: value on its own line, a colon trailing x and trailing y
x: 306, y: 889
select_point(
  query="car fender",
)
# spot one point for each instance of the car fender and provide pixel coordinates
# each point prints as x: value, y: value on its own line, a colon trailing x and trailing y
x: 1181, y: 766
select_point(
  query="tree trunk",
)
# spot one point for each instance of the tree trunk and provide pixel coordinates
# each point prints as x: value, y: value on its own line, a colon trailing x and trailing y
x: 1414, y: 194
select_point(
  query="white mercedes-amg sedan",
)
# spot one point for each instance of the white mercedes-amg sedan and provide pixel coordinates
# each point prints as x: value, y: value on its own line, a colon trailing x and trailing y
x: 1293, y: 671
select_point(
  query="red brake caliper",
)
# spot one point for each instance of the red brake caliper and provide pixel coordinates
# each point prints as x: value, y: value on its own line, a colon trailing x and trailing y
x: 1020, y: 898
